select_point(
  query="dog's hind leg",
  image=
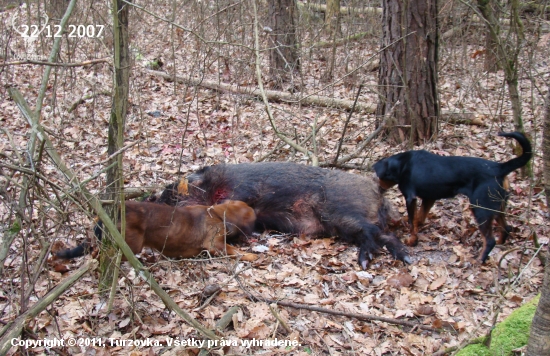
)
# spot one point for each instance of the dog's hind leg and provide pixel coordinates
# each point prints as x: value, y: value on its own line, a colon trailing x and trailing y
x: 233, y: 251
x: 484, y: 218
x: 505, y: 229
x: 218, y: 247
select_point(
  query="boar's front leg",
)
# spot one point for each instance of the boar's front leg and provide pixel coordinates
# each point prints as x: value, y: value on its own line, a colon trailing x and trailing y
x: 395, y: 247
x: 369, y: 238
x: 350, y: 228
x: 370, y: 233
x: 367, y: 245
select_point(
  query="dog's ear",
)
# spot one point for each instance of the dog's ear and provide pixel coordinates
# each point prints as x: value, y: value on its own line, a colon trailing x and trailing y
x: 380, y: 167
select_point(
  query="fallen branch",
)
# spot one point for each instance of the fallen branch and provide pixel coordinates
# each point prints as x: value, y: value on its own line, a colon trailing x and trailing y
x: 273, y: 309
x: 272, y: 95
x: 55, y: 64
x: 87, y: 97
x: 222, y: 324
x: 352, y: 315
x: 340, y: 41
x: 344, y: 10
x: 226, y: 318
x: 462, y: 118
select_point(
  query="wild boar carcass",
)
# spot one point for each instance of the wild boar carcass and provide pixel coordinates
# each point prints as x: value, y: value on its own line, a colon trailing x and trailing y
x: 294, y: 198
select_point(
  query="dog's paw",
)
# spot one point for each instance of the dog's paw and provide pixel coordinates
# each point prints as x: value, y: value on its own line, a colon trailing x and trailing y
x: 412, y: 240
x: 249, y: 257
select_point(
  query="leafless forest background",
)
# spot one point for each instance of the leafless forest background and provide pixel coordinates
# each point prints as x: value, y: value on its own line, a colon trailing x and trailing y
x: 210, y: 116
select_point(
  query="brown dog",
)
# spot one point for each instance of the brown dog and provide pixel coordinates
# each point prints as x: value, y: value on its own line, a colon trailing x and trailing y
x: 181, y: 232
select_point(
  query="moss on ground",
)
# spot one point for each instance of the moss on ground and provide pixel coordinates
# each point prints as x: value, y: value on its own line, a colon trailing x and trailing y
x: 508, y: 335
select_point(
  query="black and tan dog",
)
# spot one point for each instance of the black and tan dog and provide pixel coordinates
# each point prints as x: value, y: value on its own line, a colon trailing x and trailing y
x: 181, y: 232
x: 431, y: 177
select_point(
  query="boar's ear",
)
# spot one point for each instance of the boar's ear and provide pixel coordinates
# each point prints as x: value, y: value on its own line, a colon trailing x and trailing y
x: 195, y: 178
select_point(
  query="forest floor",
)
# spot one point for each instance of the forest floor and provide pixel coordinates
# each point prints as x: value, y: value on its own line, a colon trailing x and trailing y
x: 442, y: 288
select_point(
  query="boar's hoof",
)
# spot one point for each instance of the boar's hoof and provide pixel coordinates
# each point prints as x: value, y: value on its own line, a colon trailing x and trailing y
x: 365, y: 256
x: 401, y: 254
x: 395, y: 247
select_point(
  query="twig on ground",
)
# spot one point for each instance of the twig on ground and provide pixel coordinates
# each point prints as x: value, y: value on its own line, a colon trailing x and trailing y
x: 349, y: 315
x: 273, y: 309
x: 87, y: 97
x: 207, y: 301
x: 222, y: 324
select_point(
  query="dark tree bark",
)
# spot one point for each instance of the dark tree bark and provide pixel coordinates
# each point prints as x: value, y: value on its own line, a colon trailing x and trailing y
x: 407, y: 79
x: 283, y: 55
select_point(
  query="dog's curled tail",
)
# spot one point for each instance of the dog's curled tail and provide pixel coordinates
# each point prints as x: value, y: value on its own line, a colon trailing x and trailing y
x: 82, y: 249
x: 519, y: 161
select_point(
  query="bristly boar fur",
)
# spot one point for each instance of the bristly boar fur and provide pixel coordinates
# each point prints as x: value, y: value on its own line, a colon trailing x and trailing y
x: 294, y: 198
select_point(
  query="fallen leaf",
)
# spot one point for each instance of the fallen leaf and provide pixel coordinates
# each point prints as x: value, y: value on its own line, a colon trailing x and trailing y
x: 438, y: 282
x: 402, y: 279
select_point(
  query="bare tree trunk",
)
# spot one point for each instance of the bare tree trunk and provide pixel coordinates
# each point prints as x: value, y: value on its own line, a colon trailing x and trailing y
x: 283, y: 55
x: 507, y: 51
x: 55, y: 8
x: 332, y: 28
x: 546, y: 149
x: 332, y: 17
x: 491, y: 61
x: 539, y: 339
x: 408, y: 69
x: 115, y: 182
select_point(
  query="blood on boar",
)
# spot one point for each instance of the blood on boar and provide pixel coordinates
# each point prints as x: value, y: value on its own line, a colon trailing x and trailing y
x: 294, y: 198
